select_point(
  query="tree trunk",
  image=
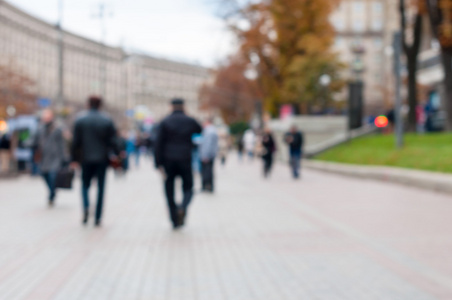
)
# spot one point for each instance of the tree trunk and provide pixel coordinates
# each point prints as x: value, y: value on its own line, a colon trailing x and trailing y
x: 411, y: 52
x: 446, y: 56
x: 447, y: 65
x: 412, y: 92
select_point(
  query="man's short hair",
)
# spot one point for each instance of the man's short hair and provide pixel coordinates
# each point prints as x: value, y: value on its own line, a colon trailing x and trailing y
x: 94, y: 102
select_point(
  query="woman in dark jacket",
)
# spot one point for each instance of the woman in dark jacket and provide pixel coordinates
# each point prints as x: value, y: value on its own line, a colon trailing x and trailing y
x: 269, y: 148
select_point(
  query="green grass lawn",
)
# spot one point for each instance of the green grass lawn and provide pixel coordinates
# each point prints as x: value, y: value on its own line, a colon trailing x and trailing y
x: 431, y: 152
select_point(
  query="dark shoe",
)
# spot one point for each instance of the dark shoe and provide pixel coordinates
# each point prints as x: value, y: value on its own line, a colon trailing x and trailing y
x: 52, y: 200
x: 181, y: 217
x: 85, y: 217
x: 98, y: 223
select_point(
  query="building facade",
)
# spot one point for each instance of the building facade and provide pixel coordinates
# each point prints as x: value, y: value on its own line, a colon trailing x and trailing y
x: 365, y: 31
x: 430, y: 68
x: 152, y: 81
x: 30, y: 46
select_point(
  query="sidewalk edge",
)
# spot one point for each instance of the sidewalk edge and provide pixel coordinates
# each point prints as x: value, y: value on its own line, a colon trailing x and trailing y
x: 421, y: 179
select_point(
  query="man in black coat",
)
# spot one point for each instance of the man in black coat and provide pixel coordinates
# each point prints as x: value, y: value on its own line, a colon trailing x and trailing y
x: 173, y: 150
x: 295, y: 140
x: 93, y: 145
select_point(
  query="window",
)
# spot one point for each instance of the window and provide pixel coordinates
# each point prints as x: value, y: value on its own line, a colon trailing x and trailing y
x: 359, y: 25
x: 377, y: 24
x: 378, y: 59
x: 378, y: 43
x: 377, y: 8
x: 339, y: 24
x: 339, y: 42
x: 358, y: 8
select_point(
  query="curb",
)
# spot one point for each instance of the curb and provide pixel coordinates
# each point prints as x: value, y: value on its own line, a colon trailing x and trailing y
x: 432, y: 181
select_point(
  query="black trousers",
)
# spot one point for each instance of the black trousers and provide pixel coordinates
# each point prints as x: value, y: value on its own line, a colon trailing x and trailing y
x: 207, y: 175
x: 268, y: 164
x: 173, y: 170
x: 90, y: 171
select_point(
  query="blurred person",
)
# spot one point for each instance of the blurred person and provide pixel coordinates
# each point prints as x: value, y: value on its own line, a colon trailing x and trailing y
x: 153, y: 135
x: 149, y: 145
x: 121, y: 147
x: 130, y: 147
x: 223, y: 145
x: 421, y: 118
x: 269, y: 148
x: 259, y: 147
x: 391, y: 121
x: 34, y: 154
x: 208, y: 150
x: 240, y: 147
x: 138, y: 148
x: 5, y: 153
x: 295, y: 140
x: 196, y: 160
x: 249, y: 142
x: 173, y: 157
x: 50, y: 151
x: 92, y: 147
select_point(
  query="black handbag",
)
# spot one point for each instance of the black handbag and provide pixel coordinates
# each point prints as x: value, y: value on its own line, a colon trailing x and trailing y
x: 64, y: 179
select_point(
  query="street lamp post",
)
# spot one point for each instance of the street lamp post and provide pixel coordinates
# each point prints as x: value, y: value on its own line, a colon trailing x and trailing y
x: 356, y: 88
x: 325, y: 81
x: 103, y: 57
x: 60, y: 95
x: 398, y: 101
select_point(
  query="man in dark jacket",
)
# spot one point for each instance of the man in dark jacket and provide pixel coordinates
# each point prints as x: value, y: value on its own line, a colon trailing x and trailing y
x: 173, y: 157
x: 93, y: 145
x: 295, y: 140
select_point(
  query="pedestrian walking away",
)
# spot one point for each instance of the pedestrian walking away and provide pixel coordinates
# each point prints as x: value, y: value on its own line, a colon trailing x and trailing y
x: 172, y: 156
x: 5, y: 153
x: 295, y: 140
x: 121, y: 147
x: 196, y: 160
x: 50, y: 152
x: 269, y: 148
x: 249, y: 142
x: 240, y: 147
x: 208, y: 152
x: 94, y: 144
x: 224, y: 143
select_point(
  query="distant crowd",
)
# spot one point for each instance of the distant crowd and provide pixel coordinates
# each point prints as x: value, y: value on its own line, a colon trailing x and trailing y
x: 179, y: 146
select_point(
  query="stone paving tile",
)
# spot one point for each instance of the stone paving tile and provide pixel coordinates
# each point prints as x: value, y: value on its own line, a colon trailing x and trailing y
x: 325, y: 237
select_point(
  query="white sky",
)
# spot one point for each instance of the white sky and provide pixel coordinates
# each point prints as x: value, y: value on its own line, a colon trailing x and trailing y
x: 185, y: 30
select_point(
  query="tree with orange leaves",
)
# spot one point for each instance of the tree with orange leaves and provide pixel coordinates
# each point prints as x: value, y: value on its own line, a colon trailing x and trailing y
x: 231, y: 92
x: 16, y: 90
x: 289, y: 44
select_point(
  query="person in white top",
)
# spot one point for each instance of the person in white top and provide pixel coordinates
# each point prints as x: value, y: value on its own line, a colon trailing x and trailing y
x: 249, y: 142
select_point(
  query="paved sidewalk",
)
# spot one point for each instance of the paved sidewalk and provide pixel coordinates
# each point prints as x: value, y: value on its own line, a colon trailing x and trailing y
x: 324, y: 237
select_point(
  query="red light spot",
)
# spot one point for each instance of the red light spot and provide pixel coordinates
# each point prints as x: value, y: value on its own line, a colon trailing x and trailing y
x: 381, y: 122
